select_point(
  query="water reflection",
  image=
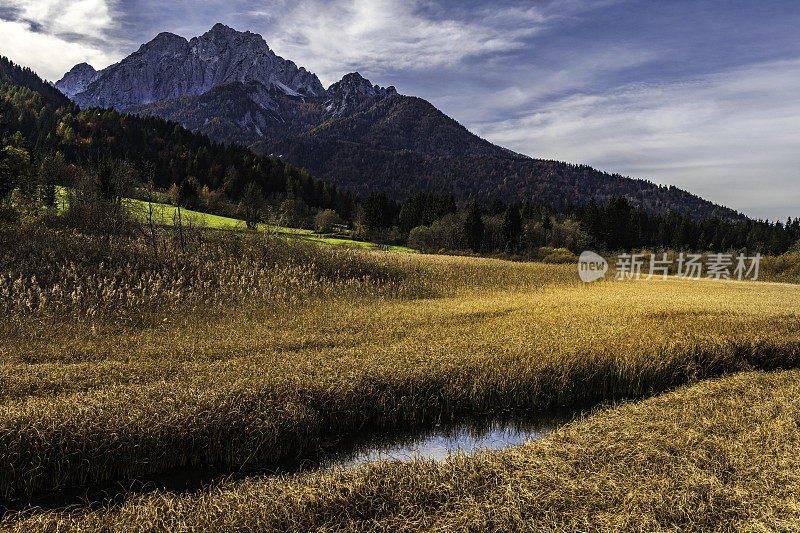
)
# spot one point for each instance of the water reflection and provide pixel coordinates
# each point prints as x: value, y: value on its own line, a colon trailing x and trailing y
x: 470, y: 435
x: 436, y: 443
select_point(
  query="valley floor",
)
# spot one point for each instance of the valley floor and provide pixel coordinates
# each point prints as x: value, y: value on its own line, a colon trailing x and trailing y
x: 252, y: 383
x: 722, y: 455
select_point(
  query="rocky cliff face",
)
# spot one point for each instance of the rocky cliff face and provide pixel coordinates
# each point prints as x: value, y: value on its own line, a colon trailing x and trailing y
x: 348, y: 95
x: 169, y: 66
x: 76, y: 80
x: 247, y: 112
x: 225, y: 83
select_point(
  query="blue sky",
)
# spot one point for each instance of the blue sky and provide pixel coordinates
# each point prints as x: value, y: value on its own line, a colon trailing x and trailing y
x: 699, y: 94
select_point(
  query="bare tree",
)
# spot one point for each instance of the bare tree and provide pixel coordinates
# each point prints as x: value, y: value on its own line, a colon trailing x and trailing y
x: 97, y: 203
x: 253, y: 203
x: 177, y: 222
x: 151, y: 226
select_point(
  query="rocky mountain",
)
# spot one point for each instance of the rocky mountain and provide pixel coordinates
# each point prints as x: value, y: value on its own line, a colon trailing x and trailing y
x: 170, y: 66
x: 249, y: 112
x: 230, y: 86
x: 351, y: 93
x: 77, y: 80
x: 242, y: 112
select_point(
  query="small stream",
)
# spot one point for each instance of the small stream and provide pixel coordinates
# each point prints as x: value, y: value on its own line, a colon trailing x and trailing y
x: 467, y: 436
x: 433, y: 443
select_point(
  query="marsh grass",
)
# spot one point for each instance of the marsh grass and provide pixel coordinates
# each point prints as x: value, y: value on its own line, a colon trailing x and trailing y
x: 248, y: 355
x: 45, y: 272
x: 721, y: 455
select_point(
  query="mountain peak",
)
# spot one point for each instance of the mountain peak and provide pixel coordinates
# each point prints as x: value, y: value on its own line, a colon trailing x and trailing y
x: 355, y: 77
x: 76, y: 80
x: 163, y: 44
x: 351, y: 92
x: 220, y: 27
x: 221, y: 33
x: 83, y: 67
x: 169, y: 66
x: 164, y: 39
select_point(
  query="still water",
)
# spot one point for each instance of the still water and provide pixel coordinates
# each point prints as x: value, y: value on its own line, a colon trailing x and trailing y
x: 435, y: 443
x: 438, y: 442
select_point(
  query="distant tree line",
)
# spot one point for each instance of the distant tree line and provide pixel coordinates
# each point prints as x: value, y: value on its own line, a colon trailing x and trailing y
x: 47, y: 142
x: 434, y: 222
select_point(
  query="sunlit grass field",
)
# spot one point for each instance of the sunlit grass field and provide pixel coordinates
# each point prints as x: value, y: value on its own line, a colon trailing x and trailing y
x: 245, y: 353
x: 721, y: 455
x: 166, y: 214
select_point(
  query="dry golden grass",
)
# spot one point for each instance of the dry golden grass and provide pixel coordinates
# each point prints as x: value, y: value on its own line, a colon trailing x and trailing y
x: 722, y: 455
x: 86, y: 397
x: 252, y: 363
x: 251, y: 389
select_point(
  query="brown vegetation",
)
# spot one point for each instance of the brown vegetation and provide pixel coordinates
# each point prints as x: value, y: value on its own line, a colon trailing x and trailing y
x: 723, y: 455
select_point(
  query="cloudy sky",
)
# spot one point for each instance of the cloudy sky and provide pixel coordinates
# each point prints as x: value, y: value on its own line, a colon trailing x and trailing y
x: 704, y: 95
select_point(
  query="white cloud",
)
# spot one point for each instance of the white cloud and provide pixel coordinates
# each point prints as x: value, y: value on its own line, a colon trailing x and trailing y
x: 730, y: 137
x: 335, y: 37
x: 36, y: 50
x: 51, y: 35
x: 91, y: 18
x: 500, y: 94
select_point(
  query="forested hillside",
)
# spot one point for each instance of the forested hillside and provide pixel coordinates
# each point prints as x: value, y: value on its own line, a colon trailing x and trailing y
x: 402, y: 145
x: 41, y: 120
x: 40, y: 123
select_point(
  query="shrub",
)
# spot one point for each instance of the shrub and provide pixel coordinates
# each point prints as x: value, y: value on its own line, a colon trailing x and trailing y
x: 326, y: 221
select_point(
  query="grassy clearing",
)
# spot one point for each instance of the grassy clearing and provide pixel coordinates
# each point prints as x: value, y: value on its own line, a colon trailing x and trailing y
x: 244, y: 355
x: 165, y: 214
x: 722, y: 455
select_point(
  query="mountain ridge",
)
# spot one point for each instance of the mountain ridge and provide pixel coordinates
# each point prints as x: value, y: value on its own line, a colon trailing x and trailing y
x: 170, y: 65
x: 354, y: 134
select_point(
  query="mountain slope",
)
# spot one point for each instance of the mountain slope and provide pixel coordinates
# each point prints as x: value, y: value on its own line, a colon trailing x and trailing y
x: 250, y: 112
x: 243, y: 112
x: 161, y: 150
x: 403, y: 145
x: 232, y: 87
x: 77, y: 79
x: 12, y: 75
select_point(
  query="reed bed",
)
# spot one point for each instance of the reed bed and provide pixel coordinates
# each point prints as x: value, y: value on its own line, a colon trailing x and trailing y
x: 722, y: 455
x: 51, y: 273
x: 62, y: 274
x: 233, y: 364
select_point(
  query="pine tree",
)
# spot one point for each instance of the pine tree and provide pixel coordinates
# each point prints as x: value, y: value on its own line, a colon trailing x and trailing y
x: 474, y: 227
x: 497, y: 207
x: 377, y: 212
x: 511, y: 227
x: 592, y: 222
